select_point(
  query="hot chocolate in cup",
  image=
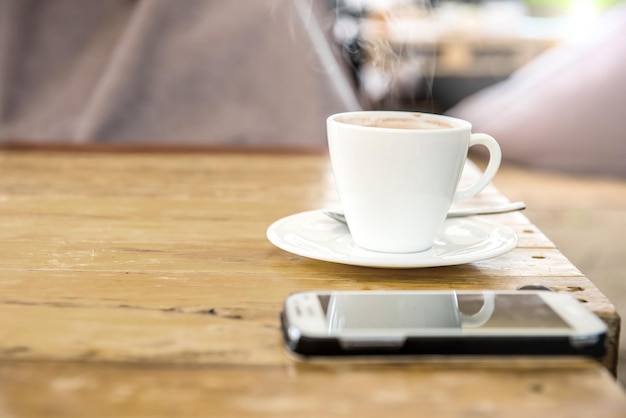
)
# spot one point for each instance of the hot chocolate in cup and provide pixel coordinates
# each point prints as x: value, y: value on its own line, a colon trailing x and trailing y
x: 397, y: 174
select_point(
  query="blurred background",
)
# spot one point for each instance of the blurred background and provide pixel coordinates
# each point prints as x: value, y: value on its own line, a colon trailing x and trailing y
x: 425, y: 55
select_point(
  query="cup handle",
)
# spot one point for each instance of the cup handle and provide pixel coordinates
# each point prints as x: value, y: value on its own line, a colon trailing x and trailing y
x: 482, y: 316
x: 495, y: 157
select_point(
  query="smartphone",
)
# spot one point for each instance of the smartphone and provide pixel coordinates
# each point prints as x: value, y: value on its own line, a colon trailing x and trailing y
x: 440, y: 322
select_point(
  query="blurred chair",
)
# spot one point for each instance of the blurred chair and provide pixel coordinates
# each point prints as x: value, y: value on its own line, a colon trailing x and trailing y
x: 566, y: 110
x: 186, y: 72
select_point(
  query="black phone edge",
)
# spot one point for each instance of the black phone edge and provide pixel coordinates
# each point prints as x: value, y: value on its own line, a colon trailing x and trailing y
x: 464, y: 345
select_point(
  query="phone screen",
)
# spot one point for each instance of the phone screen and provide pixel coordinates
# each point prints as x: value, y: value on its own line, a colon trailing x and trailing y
x: 453, y: 310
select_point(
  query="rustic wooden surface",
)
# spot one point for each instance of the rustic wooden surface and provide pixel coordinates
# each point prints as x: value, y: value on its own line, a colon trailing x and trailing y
x: 143, y: 285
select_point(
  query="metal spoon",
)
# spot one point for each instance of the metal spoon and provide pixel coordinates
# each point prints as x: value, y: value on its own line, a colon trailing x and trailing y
x: 454, y: 213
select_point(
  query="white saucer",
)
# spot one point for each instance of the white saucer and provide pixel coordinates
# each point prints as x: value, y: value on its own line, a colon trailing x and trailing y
x: 461, y: 240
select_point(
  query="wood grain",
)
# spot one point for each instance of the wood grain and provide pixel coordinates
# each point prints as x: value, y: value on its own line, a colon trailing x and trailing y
x: 149, y: 276
x: 435, y: 388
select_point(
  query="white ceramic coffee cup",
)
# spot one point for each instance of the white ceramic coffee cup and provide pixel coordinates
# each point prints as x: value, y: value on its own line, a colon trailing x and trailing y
x: 396, y: 184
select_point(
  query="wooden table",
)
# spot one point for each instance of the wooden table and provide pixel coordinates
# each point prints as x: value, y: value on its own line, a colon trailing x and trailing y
x: 142, y: 284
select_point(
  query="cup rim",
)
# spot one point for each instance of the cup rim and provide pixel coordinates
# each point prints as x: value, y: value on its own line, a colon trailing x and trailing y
x: 459, y: 124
